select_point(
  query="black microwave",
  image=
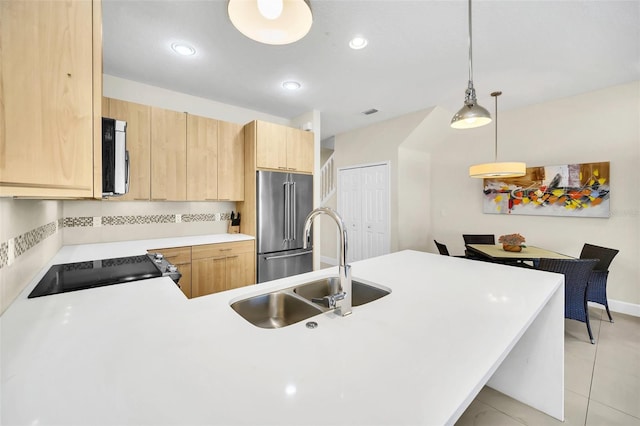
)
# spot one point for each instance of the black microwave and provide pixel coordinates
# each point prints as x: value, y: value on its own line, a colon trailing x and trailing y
x: 115, y: 158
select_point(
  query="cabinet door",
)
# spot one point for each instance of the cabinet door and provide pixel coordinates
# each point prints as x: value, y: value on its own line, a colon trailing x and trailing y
x: 138, y: 118
x: 168, y: 155
x: 233, y: 272
x: 245, y: 272
x: 202, y: 158
x: 271, y: 146
x: 208, y: 276
x: 230, y: 161
x: 48, y: 111
x: 300, y: 150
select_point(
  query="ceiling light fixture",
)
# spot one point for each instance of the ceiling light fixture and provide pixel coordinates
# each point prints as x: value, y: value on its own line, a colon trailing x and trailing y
x: 270, y: 9
x: 471, y: 114
x: 183, y: 49
x: 291, y: 85
x: 495, y: 169
x: 358, y: 43
x: 273, y: 22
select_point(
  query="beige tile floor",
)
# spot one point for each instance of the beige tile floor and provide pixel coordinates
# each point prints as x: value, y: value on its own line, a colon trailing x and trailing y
x: 602, y: 381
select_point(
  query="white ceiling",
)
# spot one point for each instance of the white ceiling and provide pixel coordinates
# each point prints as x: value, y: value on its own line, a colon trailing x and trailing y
x: 532, y: 51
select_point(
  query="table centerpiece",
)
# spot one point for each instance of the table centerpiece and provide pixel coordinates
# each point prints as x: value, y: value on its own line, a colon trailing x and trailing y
x: 512, y: 242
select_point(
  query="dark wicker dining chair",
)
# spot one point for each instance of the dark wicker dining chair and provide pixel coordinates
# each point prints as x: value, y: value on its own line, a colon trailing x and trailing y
x: 442, y: 248
x: 576, y: 277
x: 597, y: 290
x: 477, y: 239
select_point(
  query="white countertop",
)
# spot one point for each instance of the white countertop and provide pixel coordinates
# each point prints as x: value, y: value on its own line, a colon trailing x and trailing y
x: 142, y: 354
x: 82, y: 252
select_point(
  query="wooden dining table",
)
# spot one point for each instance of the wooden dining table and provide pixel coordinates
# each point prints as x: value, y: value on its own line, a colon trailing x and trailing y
x: 495, y: 252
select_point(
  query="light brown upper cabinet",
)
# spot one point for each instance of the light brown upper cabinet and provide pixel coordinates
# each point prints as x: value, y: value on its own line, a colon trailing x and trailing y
x: 230, y: 161
x: 168, y: 155
x: 138, y: 118
x: 283, y: 148
x: 271, y: 146
x: 299, y: 150
x: 202, y: 158
x: 51, y: 95
x: 215, y: 159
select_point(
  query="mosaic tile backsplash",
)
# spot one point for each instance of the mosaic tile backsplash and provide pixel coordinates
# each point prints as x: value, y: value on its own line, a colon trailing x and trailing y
x: 10, y: 250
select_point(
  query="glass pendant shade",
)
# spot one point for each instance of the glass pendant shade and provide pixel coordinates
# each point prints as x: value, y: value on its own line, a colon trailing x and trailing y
x: 284, y: 23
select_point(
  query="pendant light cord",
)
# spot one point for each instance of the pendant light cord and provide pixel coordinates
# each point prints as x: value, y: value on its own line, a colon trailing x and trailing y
x: 495, y: 96
x: 470, y: 49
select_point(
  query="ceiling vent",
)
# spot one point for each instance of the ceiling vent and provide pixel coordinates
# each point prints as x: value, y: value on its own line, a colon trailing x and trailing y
x: 370, y: 111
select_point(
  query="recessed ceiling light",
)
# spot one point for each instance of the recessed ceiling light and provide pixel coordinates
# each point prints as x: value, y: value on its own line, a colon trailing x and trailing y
x: 358, y: 43
x: 291, y: 85
x: 183, y: 49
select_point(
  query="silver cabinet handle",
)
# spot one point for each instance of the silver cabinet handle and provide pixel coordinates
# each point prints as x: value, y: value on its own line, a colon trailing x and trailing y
x: 128, y: 172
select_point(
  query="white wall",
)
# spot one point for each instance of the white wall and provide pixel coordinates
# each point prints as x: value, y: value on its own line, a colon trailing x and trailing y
x: 598, y: 126
x: 402, y: 141
x: 132, y: 91
x: 21, y: 218
x: 414, y: 219
x: 430, y: 159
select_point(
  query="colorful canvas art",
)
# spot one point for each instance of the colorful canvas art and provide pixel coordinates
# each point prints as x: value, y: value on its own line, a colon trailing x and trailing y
x: 578, y: 190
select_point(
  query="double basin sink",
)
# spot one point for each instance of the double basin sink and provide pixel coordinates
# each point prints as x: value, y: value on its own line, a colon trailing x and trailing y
x: 281, y: 308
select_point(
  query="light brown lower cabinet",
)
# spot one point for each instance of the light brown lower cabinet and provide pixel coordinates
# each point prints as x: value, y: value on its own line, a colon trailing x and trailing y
x: 211, y: 268
x: 223, y: 266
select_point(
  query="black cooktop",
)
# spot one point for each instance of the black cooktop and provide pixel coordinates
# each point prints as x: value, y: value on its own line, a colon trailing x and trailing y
x: 95, y: 273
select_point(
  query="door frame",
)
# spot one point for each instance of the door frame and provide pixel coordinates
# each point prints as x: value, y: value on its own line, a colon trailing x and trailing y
x: 362, y: 166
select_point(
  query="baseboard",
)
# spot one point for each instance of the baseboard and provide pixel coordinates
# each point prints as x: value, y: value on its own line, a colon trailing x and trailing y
x: 329, y: 260
x: 620, y: 307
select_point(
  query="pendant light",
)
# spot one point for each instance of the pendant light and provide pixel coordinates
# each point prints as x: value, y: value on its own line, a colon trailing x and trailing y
x: 471, y: 114
x: 273, y: 22
x: 495, y: 169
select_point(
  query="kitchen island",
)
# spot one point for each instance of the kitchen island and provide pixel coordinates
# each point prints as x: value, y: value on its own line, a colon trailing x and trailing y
x: 142, y: 354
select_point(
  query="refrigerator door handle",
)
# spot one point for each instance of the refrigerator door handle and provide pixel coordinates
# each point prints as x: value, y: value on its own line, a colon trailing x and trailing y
x: 285, y: 256
x: 294, y: 209
x: 287, y: 218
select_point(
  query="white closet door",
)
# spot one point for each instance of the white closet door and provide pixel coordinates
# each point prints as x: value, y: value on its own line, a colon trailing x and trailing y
x: 363, y: 203
x: 375, y: 211
x: 351, y: 211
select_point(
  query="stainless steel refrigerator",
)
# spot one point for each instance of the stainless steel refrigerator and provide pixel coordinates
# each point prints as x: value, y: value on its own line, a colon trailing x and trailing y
x: 283, y: 202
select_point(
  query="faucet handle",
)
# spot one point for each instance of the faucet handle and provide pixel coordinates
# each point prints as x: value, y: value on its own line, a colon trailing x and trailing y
x: 329, y: 301
x: 324, y: 301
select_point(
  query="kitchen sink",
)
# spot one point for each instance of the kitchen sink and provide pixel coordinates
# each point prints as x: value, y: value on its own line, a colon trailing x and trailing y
x: 281, y: 308
x: 361, y: 293
x: 275, y: 310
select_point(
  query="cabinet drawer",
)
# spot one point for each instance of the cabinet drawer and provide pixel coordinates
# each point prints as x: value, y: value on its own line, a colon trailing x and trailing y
x: 175, y: 255
x: 222, y: 249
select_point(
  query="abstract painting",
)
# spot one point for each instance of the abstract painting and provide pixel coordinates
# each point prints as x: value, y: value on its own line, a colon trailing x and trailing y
x: 578, y: 190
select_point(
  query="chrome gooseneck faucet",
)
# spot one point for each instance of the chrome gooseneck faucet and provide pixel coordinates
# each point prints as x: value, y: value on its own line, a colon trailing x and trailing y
x: 341, y: 301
